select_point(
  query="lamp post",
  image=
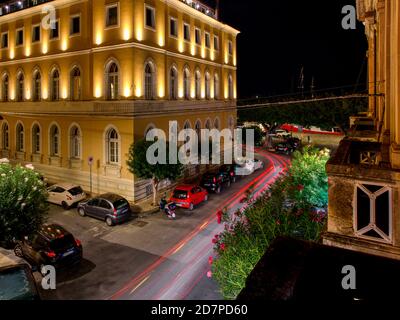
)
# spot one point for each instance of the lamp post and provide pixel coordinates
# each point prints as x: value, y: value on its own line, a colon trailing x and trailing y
x: 90, y: 163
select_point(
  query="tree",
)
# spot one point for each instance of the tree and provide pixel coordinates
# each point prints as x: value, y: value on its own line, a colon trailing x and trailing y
x: 141, y: 168
x: 324, y: 114
x: 23, y: 206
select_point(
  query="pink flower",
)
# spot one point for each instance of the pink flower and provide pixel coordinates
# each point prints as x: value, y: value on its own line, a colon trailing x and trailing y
x: 215, y: 241
x: 278, y: 222
x: 209, y: 274
x: 210, y: 260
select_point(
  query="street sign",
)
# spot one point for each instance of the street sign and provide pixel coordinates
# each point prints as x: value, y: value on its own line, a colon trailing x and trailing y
x: 90, y: 160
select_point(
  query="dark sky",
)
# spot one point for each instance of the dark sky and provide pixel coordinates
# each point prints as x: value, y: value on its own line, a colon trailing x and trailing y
x: 279, y: 36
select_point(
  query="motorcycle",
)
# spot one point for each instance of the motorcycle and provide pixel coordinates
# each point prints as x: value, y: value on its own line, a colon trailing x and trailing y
x: 170, y: 210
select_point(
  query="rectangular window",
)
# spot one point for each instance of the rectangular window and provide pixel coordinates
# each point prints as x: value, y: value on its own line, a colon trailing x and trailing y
x: 36, y: 33
x: 75, y: 26
x: 55, y: 32
x: 230, y: 48
x: 4, y: 40
x: 19, y: 40
x: 173, y: 27
x: 198, y: 37
x: 208, y: 40
x: 216, y: 43
x: 186, y: 32
x: 150, y: 17
x: 112, y: 15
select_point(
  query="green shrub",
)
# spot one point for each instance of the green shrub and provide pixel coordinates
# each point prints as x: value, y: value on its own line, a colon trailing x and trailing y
x: 284, y: 210
x: 23, y: 206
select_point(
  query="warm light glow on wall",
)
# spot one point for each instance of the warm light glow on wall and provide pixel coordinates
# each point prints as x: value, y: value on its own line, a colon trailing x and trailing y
x: 45, y: 47
x: 45, y: 94
x: 181, y: 46
x: 127, y: 91
x: 212, y: 55
x: 161, y: 91
x: 127, y: 33
x: 193, y: 49
x: 139, y: 30
x: 99, y: 37
x: 28, y: 94
x: 12, y: 94
x: 203, y: 52
x: 138, y: 92
x: 64, y: 93
x: 64, y: 45
x: 27, y: 50
x: 97, y: 92
x: 161, y: 40
x: 180, y: 92
x: 12, y: 53
x: 226, y: 58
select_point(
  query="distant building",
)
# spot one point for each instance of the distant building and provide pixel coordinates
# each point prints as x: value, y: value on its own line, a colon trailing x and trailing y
x: 105, y: 74
x: 364, y: 173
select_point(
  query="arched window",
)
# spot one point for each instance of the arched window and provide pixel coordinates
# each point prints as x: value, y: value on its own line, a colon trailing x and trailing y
x: 173, y: 84
x: 112, y: 81
x: 75, y: 84
x: 55, y: 85
x: 186, y: 83
x: 36, y: 139
x: 37, y: 86
x: 75, y: 143
x: 208, y: 124
x: 112, y: 147
x: 5, y: 137
x: 149, y: 81
x: 208, y: 85
x: 216, y: 87
x: 20, y: 141
x: 54, y: 141
x: 5, y: 87
x: 198, y: 85
x: 20, y: 86
x: 230, y: 86
x: 216, y: 123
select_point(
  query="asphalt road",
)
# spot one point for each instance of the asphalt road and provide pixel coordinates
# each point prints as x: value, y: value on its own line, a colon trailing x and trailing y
x: 152, y: 257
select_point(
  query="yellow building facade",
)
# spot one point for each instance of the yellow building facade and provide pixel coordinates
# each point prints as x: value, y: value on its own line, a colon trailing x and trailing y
x: 88, y: 83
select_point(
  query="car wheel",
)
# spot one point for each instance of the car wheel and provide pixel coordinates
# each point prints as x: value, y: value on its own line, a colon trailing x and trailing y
x: 65, y: 205
x: 81, y: 212
x: 18, y: 251
x: 109, y: 222
x: 191, y: 207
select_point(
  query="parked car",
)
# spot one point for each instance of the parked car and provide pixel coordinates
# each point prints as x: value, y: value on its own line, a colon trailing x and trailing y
x: 188, y: 196
x: 17, y: 283
x: 109, y: 207
x: 285, y: 148
x: 214, y: 182
x: 255, y: 164
x: 282, y: 133
x: 65, y: 194
x: 294, y: 142
x: 51, y: 245
x: 229, y: 169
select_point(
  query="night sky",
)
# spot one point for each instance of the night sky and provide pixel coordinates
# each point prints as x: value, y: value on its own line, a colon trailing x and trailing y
x: 279, y: 37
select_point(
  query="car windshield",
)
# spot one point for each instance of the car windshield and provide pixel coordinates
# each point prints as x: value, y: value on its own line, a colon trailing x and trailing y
x: 15, y: 285
x: 120, y: 203
x: 180, y: 194
x: 75, y: 191
x: 63, y: 243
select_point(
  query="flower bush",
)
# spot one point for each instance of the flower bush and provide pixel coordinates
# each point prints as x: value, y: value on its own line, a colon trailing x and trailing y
x: 294, y: 206
x: 23, y: 206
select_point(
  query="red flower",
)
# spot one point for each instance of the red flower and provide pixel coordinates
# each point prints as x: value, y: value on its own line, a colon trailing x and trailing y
x: 300, y: 187
x: 219, y: 216
x: 278, y: 222
x: 243, y: 200
x: 209, y: 274
x: 210, y: 260
x: 215, y: 241
x: 222, y: 247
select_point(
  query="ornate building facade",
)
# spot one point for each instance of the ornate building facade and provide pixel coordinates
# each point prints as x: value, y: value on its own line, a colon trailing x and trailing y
x: 364, y: 174
x: 104, y: 74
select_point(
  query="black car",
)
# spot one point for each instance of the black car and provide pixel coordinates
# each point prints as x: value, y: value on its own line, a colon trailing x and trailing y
x: 17, y: 283
x: 294, y: 142
x: 285, y: 148
x: 51, y: 245
x: 109, y: 207
x: 213, y: 182
x: 229, y: 170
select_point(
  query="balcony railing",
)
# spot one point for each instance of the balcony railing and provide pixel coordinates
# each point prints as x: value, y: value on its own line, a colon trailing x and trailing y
x: 201, y: 7
x: 17, y: 5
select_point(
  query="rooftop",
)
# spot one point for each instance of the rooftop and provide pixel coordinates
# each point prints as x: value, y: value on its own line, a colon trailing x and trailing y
x: 17, y: 5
